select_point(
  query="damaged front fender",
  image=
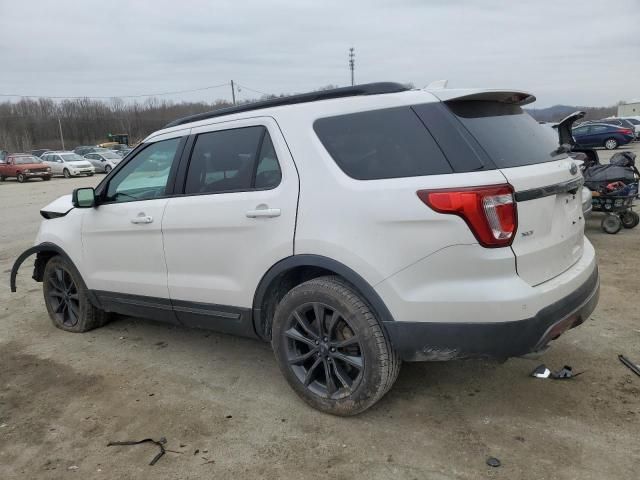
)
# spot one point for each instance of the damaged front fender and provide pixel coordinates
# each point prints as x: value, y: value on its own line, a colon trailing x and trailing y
x: 45, y: 251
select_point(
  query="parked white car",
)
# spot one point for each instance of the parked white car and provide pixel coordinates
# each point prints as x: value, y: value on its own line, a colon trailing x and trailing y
x: 352, y: 228
x: 103, y: 161
x: 68, y: 164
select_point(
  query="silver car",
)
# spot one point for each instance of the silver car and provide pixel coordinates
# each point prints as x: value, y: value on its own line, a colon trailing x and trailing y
x: 68, y: 164
x: 103, y: 161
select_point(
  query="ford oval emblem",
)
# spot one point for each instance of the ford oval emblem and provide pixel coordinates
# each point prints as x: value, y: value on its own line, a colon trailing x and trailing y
x: 573, y: 169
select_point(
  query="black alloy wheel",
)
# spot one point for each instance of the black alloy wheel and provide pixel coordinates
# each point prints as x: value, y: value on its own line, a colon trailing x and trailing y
x: 63, y: 297
x: 323, y: 350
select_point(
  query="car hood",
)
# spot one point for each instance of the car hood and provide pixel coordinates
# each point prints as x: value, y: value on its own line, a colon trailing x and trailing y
x: 32, y: 165
x: 79, y: 163
x: 58, y: 208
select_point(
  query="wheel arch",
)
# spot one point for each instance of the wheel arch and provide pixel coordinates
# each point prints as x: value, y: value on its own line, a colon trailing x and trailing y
x: 292, y: 271
x: 45, y: 251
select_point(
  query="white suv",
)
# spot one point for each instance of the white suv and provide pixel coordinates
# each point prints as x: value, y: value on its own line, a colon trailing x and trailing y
x: 352, y: 228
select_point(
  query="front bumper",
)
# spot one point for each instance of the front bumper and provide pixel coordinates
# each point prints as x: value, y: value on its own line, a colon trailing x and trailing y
x: 37, y: 174
x: 83, y: 171
x: 432, y: 341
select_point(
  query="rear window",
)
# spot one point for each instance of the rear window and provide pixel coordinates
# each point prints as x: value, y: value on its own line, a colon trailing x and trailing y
x: 387, y: 143
x: 509, y: 135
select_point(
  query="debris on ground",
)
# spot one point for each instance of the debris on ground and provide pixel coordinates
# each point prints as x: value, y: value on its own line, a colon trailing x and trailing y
x: 160, y: 443
x: 629, y: 364
x: 493, y: 462
x: 566, y: 372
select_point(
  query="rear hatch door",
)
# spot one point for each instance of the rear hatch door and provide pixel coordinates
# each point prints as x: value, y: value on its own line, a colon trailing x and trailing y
x: 547, y: 184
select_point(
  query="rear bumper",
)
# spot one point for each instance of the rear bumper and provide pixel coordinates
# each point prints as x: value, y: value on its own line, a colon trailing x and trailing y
x: 435, y: 341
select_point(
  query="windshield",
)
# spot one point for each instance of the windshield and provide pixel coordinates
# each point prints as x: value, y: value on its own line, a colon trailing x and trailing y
x: 25, y: 160
x: 633, y: 121
x: 111, y: 156
x: 72, y: 157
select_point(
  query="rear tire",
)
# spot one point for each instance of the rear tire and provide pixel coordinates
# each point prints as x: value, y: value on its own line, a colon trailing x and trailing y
x: 66, y: 173
x: 2, y: 178
x: 331, y: 349
x: 67, y: 299
x: 611, y: 224
x: 46, y: 179
x: 630, y: 219
x: 610, y: 144
x: 20, y: 178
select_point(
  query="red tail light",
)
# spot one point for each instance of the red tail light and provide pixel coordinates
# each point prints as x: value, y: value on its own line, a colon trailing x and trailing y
x: 490, y: 212
x: 626, y: 131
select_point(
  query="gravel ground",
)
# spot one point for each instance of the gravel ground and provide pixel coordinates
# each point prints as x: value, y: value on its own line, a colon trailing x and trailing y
x: 226, y: 411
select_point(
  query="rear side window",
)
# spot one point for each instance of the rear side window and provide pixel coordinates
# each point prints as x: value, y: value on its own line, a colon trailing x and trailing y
x: 233, y: 160
x: 509, y: 135
x: 388, y: 143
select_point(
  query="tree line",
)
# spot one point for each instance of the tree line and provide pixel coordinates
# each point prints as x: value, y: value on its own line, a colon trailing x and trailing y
x: 35, y: 123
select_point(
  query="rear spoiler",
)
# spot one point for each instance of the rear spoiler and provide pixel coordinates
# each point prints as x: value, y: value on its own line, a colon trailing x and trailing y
x: 514, y: 97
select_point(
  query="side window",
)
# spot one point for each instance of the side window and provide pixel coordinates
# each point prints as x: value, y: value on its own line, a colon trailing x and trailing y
x: 580, y: 131
x: 232, y: 160
x: 268, y: 174
x: 599, y: 129
x: 145, y: 176
x: 388, y: 143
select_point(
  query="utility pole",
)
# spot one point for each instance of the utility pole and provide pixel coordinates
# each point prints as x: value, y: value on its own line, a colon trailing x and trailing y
x: 233, y: 93
x: 61, y: 137
x: 352, y: 63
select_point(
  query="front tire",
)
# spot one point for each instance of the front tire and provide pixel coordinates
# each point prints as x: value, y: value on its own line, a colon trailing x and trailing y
x: 20, y: 178
x: 67, y: 299
x: 610, y: 144
x: 107, y: 169
x: 331, y: 348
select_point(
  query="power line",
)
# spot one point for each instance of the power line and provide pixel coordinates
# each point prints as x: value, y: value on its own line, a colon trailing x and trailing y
x: 252, y: 89
x: 116, y: 96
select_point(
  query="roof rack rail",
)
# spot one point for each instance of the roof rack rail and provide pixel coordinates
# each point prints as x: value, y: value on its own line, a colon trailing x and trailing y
x: 356, y: 90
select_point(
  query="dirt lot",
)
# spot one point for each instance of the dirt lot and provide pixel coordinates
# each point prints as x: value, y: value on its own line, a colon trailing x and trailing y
x: 64, y: 396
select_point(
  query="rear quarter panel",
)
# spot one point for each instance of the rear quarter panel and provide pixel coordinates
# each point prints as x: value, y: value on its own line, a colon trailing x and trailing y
x: 375, y: 227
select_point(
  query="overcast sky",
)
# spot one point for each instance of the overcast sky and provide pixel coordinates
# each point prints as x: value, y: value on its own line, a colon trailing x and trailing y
x: 579, y: 52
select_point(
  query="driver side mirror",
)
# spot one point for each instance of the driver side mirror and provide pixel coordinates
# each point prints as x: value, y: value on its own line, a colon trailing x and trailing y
x: 84, y: 197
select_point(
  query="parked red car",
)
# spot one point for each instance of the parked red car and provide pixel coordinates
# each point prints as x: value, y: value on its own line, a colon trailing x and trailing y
x: 24, y: 167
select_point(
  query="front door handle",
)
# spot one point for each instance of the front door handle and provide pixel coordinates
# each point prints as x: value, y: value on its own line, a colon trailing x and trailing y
x: 263, y: 211
x: 141, y: 219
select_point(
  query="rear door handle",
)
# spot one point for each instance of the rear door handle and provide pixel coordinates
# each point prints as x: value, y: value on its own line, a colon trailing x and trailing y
x: 264, y: 212
x: 141, y: 219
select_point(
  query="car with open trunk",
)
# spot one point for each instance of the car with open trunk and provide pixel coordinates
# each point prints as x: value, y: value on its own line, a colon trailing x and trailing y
x: 353, y: 229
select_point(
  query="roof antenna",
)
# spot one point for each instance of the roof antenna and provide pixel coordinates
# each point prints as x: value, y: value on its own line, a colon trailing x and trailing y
x: 437, y: 85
